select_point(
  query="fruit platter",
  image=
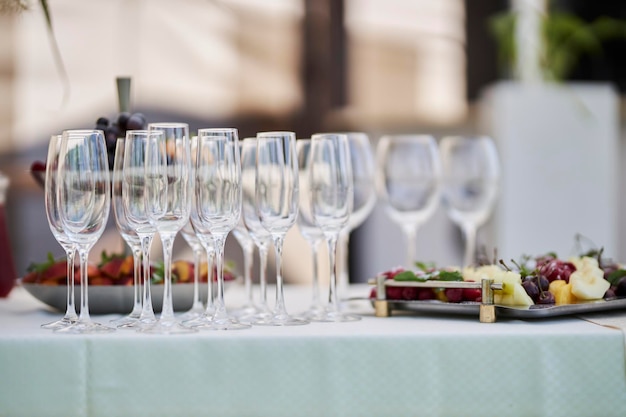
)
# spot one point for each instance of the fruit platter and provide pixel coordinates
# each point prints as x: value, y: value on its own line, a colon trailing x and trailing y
x: 111, y: 283
x: 540, y: 287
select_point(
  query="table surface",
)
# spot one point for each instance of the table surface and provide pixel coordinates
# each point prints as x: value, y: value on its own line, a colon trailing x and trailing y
x: 402, y: 365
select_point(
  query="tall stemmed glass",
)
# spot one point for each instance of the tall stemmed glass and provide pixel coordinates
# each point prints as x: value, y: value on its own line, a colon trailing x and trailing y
x: 127, y: 232
x: 471, y: 173
x: 259, y: 234
x: 54, y: 220
x: 408, y: 177
x: 217, y: 205
x: 197, y: 307
x: 84, y: 192
x: 309, y: 230
x: 277, y: 191
x: 167, y: 175
x: 134, y: 205
x: 363, y: 176
x: 331, y: 190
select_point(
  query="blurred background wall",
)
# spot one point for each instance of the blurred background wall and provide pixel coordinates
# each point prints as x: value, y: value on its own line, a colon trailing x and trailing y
x: 393, y: 66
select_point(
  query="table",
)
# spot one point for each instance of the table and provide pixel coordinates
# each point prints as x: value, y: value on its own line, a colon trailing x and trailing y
x: 404, y: 365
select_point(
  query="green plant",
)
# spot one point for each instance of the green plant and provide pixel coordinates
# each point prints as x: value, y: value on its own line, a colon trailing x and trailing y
x: 565, y: 38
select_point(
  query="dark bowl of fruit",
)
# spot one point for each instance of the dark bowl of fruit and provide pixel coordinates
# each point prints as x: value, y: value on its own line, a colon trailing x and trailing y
x: 111, y: 284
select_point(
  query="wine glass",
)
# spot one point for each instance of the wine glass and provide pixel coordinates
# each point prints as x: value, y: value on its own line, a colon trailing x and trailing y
x: 127, y: 232
x: 308, y: 229
x: 363, y: 176
x: 408, y: 176
x: 167, y: 176
x: 469, y: 185
x: 54, y: 221
x: 260, y: 236
x: 331, y: 191
x: 134, y: 206
x: 84, y: 192
x: 197, y: 307
x: 277, y: 205
x: 217, y: 205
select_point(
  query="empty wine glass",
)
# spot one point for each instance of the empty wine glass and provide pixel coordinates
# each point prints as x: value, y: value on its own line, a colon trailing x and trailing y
x: 167, y: 175
x: 309, y: 230
x: 331, y: 193
x: 470, y: 184
x: 127, y: 232
x: 363, y: 176
x: 54, y: 221
x: 260, y: 236
x: 197, y: 307
x: 134, y: 205
x: 217, y: 205
x: 84, y: 191
x: 277, y: 205
x: 408, y: 176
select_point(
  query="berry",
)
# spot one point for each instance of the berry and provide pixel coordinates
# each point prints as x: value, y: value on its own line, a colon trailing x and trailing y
x: 454, y: 295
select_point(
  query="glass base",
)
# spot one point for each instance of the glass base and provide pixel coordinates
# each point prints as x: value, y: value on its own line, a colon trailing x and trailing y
x: 280, y: 319
x: 245, y: 311
x: 139, y: 323
x: 60, y: 324
x: 228, y: 323
x: 166, y: 327
x: 314, y: 313
x: 85, y: 327
x: 338, y: 316
x: 193, y: 313
x: 131, y: 318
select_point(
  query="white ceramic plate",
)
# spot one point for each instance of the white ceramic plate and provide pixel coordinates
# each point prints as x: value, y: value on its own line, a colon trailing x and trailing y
x: 114, y: 299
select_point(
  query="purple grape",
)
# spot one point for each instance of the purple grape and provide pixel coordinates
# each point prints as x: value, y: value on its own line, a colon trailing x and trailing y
x: 122, y: 120
x: 136, y: 121
x: 531, y: 288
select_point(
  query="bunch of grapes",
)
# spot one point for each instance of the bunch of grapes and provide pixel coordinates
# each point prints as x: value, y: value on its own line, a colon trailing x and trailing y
x: 117, y: 129
x: 553, y: 268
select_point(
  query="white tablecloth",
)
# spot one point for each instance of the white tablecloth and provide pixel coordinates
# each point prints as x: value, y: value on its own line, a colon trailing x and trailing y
x: 396, y: 366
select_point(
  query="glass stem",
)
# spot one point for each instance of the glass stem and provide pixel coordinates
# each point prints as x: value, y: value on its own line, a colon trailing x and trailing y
x: 469, y: 231
x: 411, y: 236
x: 210, y: 259
x: 70, y: 312
x: 167, y: 313
x: 248, y: 265
x: 220, y: 305
x: 136, y: 281
x: 279, y: 309
x: 343, y: 278
x: 197, y: 258
x: 333, y: 300
x: 84, y: 317
x: 263, y: 275
x: 147, y: 312
x: 315, y: 280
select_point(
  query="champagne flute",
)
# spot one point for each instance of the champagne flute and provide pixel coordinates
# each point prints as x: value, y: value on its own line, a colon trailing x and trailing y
x: 363, y: 175
x: 127, y: 232
x: 277, y: 205
x: 84, y: 192
x: 54, y: 221
x: 259, y: 234
x: 408, y: 176
x: 167, y: 173
x: 308, y: 229
x: 331, y: 192
x: 134, y: 206
x: 217, y: 205
x: 197, y: 307
x: 470, y: 184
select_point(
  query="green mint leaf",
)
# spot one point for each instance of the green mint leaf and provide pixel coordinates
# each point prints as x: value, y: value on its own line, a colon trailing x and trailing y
x: 408, y: 276
x: 423, y: 266
x: 615, y: 276
x: 450, y: 276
